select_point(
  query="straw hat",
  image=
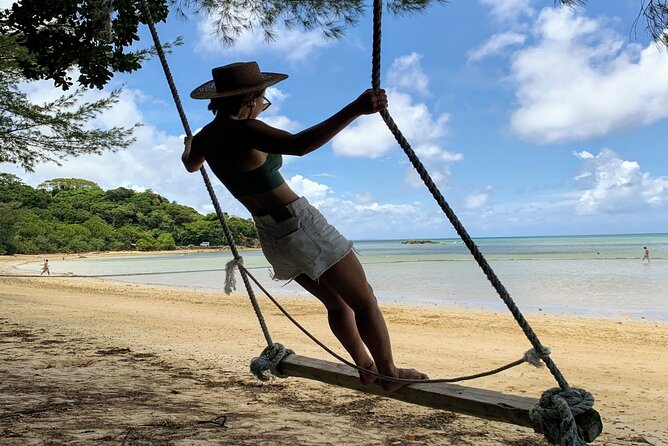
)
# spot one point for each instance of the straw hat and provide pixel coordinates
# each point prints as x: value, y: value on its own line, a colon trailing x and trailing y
x: 236, y: 78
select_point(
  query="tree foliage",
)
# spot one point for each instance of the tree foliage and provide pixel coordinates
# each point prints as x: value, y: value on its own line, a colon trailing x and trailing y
x: 31, y: 132
x: 75, y: 215
x: 332, y: 17
x: 656, y: 14
x: 93, y: 36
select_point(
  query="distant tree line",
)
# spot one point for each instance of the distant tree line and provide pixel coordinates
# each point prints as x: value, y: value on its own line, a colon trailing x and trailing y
x: 76, y: 215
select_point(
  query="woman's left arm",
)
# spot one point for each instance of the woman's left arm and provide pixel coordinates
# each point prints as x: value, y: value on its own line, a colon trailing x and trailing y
x: 192, y: 158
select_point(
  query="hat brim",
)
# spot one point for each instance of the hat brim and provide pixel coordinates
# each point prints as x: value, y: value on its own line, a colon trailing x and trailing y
x: 208, y: 89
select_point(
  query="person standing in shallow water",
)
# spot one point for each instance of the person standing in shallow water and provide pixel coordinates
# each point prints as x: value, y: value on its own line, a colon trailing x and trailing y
x: 645, y: 254
x: 246, y: 155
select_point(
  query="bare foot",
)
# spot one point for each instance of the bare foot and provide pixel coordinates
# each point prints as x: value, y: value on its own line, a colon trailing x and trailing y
x: 365, y: 378
x: 391, y: 386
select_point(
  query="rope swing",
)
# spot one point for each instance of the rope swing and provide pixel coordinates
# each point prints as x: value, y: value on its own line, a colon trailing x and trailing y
x: 564, y: 397
x: 565, y: 415
x: 205, y: 176
x: 237, y: 261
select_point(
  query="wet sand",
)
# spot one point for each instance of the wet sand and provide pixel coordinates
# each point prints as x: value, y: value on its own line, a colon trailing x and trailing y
x: 86, y: 361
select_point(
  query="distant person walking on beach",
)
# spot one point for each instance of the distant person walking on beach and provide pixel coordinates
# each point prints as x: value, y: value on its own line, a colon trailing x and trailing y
x: 645, y: 256
x: 45, y: 267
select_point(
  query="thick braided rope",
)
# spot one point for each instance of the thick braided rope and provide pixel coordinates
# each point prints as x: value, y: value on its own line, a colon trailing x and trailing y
x: 554, y: 415
x: 426, y: 178
x: 269, y: 361
x: 205, y: 176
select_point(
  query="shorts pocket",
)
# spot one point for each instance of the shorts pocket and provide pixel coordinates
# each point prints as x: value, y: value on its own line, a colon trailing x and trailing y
x: 285, y: 228
x: 299, y: 246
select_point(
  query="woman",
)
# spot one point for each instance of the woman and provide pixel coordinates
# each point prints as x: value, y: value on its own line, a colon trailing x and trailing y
x: 245, y: 154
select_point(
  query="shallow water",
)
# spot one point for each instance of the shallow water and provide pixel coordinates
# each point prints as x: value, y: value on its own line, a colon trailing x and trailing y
x: 599, y: 276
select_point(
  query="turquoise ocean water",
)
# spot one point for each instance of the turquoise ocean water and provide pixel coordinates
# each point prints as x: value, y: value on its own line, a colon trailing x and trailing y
x: 598, y: 276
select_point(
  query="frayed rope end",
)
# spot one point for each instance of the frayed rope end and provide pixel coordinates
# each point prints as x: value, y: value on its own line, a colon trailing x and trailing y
x: 532, y: 357
x: 230, y: 278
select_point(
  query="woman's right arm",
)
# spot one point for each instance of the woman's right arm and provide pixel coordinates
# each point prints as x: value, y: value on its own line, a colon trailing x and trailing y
x: 265, y: 138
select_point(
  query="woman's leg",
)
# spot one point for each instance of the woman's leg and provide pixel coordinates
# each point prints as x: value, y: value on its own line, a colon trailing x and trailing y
x: 342, y: 323
x: 348, y: 280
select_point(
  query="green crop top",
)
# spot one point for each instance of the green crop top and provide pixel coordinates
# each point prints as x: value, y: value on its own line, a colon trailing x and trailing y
x: 261, y: 179
x: 241, y: 183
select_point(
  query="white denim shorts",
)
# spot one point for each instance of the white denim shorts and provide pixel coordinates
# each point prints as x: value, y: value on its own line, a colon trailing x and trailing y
x: 303, y: 242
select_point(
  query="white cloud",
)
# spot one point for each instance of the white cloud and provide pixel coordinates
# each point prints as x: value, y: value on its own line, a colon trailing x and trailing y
x: 583, y: 175
x: 6, y: 4
x: 281, y: 122
x: 605, y: 186
x: 314, y: 191
x: 406, y: 73
x: 495, y: 44
x: 369, y: 137
x: 292, y: 44
x: 615, y: 186
x: 515, y: 218
x: 583, y: 155
x: 582, y: 81
x: 364, y: 198
x: 508, y: 10
x: 363, y: 216
x: 138, y: 188
x: 477, y: 200
x: 150, y: 163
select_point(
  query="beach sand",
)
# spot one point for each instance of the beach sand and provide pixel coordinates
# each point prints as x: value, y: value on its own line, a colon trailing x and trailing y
x: 85, y: 361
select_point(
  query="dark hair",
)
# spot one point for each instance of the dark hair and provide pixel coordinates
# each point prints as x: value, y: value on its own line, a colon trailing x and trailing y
x: 231, y: 105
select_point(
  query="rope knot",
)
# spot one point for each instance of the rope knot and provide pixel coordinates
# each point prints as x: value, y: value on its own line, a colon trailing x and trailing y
x: 230, y: 278
x: 534, y: 358
x: 269, y: 360
x: 554, y: 415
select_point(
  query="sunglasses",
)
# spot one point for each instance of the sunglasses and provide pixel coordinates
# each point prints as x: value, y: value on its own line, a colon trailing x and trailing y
x: 266, y: 103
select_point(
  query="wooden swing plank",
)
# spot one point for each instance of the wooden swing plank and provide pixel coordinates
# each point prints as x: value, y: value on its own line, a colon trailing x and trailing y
x: 479, y: 403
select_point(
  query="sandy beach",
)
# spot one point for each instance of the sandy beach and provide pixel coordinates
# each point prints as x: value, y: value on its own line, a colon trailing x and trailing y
x: 87, y: 361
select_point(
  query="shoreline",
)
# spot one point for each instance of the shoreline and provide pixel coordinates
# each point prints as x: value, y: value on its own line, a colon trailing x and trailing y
x: 199, y: 345
x: 10, y: 268
x: 86, y: 254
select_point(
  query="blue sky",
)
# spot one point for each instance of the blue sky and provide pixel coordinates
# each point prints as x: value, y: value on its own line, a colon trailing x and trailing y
x: 532, y: 119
